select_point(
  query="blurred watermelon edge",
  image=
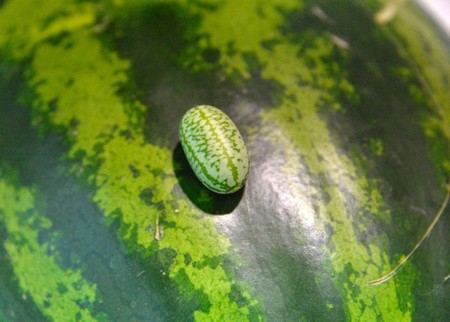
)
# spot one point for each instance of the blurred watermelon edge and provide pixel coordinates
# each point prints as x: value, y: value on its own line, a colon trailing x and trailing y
x: 347, y: 124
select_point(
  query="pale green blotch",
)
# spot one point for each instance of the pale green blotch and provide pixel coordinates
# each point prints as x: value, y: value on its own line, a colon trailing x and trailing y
x: 60, y: 294
x: 214, y: 149
x: 96, y: 143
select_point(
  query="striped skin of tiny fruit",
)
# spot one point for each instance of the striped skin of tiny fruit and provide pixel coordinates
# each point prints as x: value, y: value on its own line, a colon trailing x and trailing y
x: 214, y: 149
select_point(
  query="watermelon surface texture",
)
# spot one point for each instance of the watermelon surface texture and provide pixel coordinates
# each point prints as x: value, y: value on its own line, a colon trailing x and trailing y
x: 346, y: 123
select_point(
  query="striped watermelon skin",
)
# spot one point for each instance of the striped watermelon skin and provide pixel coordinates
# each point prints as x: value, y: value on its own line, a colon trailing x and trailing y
x: 341, y: 187
x: 214, y: 149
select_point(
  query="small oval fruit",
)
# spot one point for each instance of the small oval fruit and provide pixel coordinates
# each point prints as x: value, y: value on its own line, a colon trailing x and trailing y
x: 214, y: 149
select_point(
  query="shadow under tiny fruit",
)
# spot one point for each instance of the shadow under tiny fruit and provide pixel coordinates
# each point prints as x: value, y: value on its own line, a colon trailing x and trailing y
x: 205, y: 199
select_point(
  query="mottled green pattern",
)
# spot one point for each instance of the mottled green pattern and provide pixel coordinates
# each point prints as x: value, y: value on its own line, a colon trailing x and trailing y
x: 60, y: 294
x: 76, y: 81
x: 430, y: 62
x: 214, y: 148
x: 36, y: 25
x: 306, y: 84
x: 79, y: 82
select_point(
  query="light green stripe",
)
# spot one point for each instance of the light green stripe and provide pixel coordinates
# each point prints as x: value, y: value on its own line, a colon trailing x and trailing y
x: 298, y: 116
x: 79, y: 78
x: 60, y: 294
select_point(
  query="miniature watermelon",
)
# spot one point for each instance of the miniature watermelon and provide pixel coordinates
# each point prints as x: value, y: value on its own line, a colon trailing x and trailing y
x: 214, y: 149
x: 345, y: 119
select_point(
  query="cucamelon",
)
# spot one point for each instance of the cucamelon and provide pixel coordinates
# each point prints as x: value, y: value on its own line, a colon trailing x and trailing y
x: 214, y: 149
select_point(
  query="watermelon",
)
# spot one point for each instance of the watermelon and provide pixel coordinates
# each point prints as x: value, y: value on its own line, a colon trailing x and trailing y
x: 346, y: 123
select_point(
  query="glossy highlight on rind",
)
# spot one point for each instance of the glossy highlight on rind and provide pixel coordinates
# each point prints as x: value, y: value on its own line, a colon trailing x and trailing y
x: 214, y: 149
